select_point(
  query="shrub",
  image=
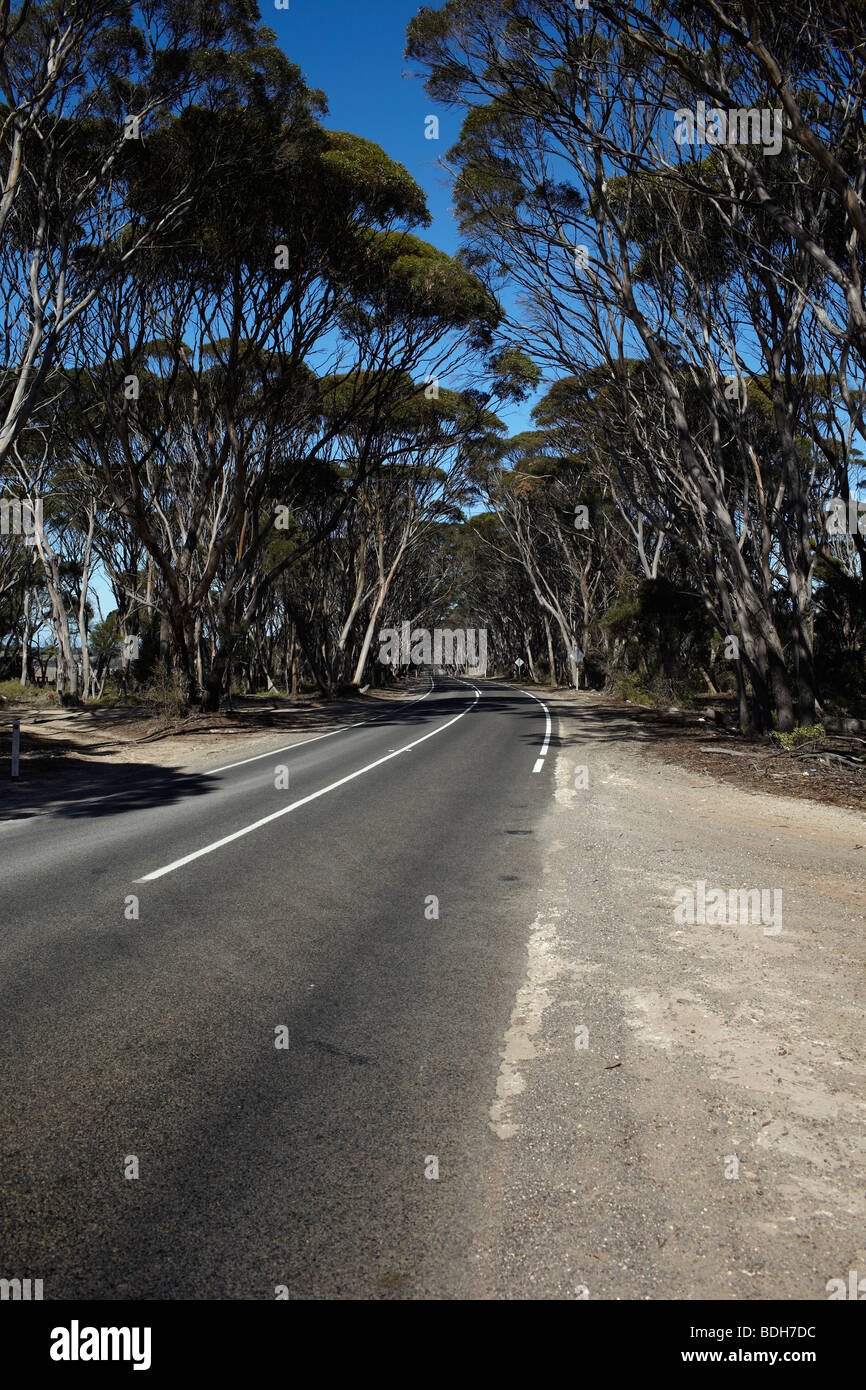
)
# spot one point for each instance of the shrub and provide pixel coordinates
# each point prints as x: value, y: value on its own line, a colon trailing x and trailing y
x: 804, y: 733
x: 12, y: 692
x: 166, y: 691
x: 633, y: 686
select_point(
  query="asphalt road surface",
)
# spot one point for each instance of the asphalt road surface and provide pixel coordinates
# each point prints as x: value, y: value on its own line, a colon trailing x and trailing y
x: 287, y: 898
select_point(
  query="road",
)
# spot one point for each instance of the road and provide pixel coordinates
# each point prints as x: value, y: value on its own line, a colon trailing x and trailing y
x: 289, y: 892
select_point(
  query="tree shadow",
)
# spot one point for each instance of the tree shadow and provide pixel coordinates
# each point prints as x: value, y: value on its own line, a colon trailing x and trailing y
x: 52, y: 783
x: 57, y: 780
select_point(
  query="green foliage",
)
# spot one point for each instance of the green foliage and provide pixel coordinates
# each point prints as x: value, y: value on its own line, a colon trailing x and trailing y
x: 804, y: 733
x: 379, y: 184
x: 630, y: 685
x: 421, y: 280
x: 113, y: 694
x: 105, y: 638
x: 514, y: 373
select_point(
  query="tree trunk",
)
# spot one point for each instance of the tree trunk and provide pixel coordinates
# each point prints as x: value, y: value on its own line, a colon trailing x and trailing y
x: 527, y: 642
x: 550, y: 657
x: 25, y: 640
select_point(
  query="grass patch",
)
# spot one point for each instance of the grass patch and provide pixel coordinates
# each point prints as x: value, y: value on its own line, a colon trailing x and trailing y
x: 13, y: 693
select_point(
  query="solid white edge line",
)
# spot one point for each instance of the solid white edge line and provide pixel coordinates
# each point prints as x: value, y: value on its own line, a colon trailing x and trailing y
x: 287, y: 748
x: 304, y: 801
x: 542, y: 752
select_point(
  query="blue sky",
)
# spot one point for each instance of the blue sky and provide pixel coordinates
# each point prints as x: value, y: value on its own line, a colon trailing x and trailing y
x: 354, y: 53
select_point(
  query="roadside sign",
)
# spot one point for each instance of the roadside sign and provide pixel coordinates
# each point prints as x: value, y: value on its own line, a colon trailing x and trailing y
x: 519, y: 662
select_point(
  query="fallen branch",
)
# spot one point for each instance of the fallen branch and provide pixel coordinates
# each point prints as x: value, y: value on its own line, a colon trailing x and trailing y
x: 735, y: 752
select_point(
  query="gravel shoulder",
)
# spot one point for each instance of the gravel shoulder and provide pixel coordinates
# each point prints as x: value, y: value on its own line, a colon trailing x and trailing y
x: 708, y: 1142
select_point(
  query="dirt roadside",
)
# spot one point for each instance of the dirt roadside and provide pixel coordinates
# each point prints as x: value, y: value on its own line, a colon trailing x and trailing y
x: 76, y: 755
x: 709, y: 1139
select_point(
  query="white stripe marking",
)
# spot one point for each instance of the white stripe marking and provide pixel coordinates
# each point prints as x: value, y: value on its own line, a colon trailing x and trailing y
x: 304, y: 801
x: 272, y: 752
x: 542, y: 753
x: 136, y: 791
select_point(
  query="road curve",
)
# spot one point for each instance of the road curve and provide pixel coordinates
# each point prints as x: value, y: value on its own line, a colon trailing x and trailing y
x: 284, y: 898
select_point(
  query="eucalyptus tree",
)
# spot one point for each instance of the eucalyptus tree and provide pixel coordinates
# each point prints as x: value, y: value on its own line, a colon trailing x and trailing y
x: 426, y: 453
x: 85, y: 86
x: 564, y: 186
x: 205, y: 400
x: 401, y: 475
x: 802, y: 66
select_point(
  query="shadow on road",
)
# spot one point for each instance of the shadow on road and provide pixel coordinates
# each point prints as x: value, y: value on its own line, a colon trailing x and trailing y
x: 51, y: 784
x: 56, y: 781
